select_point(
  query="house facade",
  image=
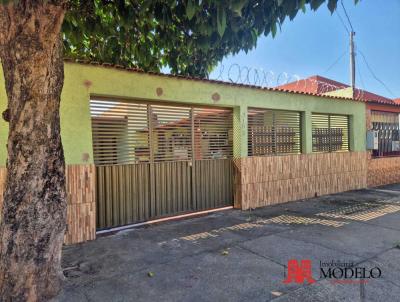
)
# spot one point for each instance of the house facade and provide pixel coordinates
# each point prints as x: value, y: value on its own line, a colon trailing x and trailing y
x: 141, y: 146
x: 382, y: 119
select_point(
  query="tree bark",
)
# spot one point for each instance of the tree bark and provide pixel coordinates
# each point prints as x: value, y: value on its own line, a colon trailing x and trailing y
x: 34, y: 209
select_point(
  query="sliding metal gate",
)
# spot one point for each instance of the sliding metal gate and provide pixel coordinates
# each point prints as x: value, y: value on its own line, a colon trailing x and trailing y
x: 156, y: 160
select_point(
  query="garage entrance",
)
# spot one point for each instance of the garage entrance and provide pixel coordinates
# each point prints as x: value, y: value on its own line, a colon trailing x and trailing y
x: 158, y: 160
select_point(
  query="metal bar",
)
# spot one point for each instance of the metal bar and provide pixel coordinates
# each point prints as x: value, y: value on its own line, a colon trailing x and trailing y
x: 152, y: 186
x: 193, y: 164
x: 329, y: 136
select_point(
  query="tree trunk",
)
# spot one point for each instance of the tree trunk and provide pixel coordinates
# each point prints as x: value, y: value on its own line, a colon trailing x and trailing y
x: 34, y: 209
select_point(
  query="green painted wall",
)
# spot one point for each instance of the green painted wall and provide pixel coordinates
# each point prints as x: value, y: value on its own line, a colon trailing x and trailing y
x: 83, y: 81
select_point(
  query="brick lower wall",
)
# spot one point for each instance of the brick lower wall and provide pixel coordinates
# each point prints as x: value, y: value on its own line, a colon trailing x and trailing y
x: 81, y: 196
x: 383, y: 171
x: 267, y: 180
x: 81, y: 208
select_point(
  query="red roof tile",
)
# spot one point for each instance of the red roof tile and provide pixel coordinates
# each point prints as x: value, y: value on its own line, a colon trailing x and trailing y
x: 319, y: 85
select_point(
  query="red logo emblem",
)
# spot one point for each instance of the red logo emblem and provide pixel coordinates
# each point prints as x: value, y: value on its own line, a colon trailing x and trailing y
x: 299, y: 273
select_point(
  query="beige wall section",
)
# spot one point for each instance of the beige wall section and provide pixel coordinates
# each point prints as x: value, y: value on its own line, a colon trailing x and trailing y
x: 345, y: 92
x: 81, y: 207
x: 262, y: 181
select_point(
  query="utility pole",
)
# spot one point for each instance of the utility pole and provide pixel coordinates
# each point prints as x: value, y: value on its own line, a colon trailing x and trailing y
x: 352, y: 61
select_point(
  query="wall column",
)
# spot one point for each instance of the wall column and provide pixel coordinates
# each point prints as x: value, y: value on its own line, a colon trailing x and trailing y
x: 351, y: 130
x: 306, y: 132
x: 240, y: 132
x: 240, y: 137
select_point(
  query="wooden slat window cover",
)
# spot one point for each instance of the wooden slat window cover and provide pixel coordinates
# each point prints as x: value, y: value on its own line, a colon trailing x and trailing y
x: 213, y: 136
x: 273, y: 132
x: 330, y: 133
x: 127, y: 132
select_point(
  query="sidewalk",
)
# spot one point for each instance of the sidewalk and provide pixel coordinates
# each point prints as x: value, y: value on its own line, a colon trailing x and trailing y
x: 242, y: 256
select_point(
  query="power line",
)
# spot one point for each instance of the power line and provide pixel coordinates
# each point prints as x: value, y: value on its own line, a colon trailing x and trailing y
x: 341, y: 20
x: 352, y: 54
x: 335, y: 62
x: 347, y: 16
x: 374, y: 75
x: 360, y: 91
x: 361, y: 78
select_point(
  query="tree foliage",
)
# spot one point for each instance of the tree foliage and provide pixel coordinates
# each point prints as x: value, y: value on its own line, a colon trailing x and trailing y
x: 189, y: 36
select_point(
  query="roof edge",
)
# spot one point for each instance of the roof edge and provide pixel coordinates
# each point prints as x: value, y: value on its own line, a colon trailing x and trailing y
x: 198, y: 79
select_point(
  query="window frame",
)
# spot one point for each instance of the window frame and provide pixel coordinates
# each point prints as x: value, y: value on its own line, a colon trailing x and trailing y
x: 329, y: 135
x: 272, y: 137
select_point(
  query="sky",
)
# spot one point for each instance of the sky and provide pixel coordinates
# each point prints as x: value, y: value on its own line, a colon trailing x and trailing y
x: 314, y: 41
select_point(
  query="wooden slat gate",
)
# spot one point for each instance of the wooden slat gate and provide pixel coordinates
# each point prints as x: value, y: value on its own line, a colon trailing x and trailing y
x: 157, y: 160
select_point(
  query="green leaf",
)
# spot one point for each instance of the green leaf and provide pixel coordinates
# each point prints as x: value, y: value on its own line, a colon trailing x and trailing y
x: 332, y: 4
x: 150, y: 274
x: 302, y: 5
x: 273, y: 29
x: 221, y: 20
x: 190, y: 9
x: 74, y: 22
x: 315, y: 4
x: 254, y: 35
x: 238, y: 5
